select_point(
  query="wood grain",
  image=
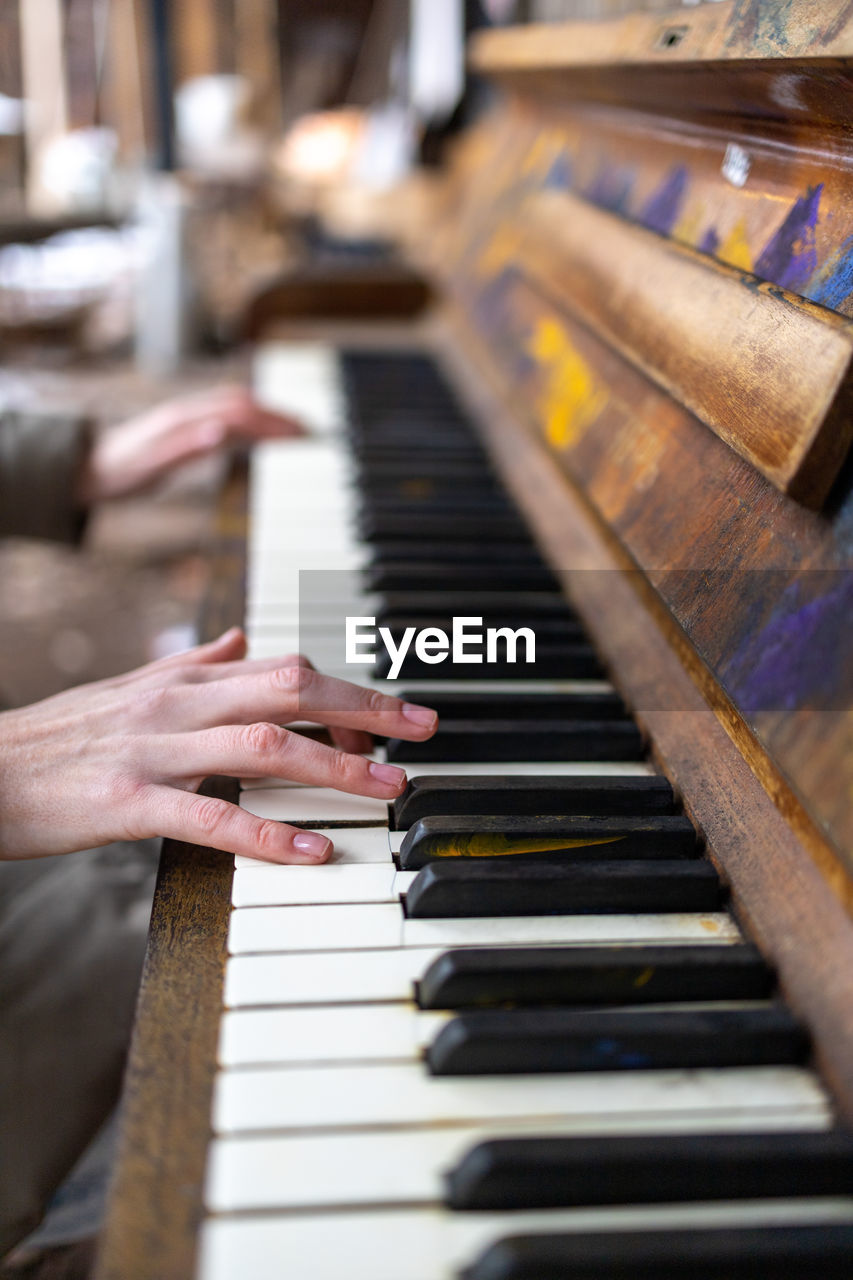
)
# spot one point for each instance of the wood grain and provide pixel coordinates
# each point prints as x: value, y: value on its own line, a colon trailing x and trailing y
x: 778, y: 890
x: 712, y: 33
x: 766, y: 370
x: 155, y: 1204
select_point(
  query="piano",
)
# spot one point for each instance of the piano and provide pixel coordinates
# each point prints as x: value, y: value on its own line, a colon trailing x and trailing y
x: 580, y: 1003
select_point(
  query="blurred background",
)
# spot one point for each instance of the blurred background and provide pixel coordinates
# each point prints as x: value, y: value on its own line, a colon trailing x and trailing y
x: 175, y: 176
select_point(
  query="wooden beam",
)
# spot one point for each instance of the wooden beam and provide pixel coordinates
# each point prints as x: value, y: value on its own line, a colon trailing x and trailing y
x: 195, y: 39
x: 126, y: 91
x: 258, y: 59
x: 767, y: 371
x: 709, y: 33
x: 43, y: 67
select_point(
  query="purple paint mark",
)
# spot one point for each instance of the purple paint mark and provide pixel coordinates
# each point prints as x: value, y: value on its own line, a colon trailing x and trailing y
x: 790, y: 257
x: 802, y: 657
x: 833, y: 284
x: 710, y: 242
x: 662, y: 210
x: 559, y: 174
x: 611, y: 189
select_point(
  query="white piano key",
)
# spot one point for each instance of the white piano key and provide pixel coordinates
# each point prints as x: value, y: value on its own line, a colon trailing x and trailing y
x: 342, y: 1097
x: 301, y: 886
x: 488, y: 768
x: 333, y: 977
x: 313, y: 805
x: 351, y: 1033
x: 351, y: 928
x: 434, y: 1244
x: 343, y: 977
x: 352, y: 845
x: 405, y: 1167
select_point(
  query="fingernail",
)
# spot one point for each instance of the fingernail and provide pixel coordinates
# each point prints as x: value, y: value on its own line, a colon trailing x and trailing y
x: 310, y: 842
x: 387, y: 773
x: 419, y: 715
x: 229, y: 634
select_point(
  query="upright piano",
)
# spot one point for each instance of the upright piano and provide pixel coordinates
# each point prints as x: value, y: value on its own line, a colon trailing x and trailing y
x: 580, y: 1004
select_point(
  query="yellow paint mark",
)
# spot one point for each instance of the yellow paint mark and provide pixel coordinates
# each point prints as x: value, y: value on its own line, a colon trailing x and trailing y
x: 540, y: 155
x: 573, y: 398
x: 644, y: 977
x: 711, y: 926
x: 689, y: 226
x: 497, y: 846
x: 735, y: 248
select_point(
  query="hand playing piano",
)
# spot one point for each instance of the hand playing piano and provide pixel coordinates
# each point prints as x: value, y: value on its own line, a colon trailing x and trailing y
x: 121, y: 759
x: 135, y: 454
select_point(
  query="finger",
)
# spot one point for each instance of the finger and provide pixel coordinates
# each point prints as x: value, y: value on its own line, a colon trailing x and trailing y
x: 246, y: 667
x: 263, y: 750
x: 217, y: 824
x: 301, y: 693
x: 262, y: 424
x: 229, y: 647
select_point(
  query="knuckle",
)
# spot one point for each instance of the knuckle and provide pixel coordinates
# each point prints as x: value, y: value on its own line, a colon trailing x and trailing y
x: 268, y: 837
x: 264, y: 739
x: 124, y: 790
x: 292, y: 678
x: 346, y: 768
x: 376, y: 703
x: 207, y: 814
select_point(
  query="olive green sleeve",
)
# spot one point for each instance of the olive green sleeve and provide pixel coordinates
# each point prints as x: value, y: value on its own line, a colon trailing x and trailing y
x: 40, y: 461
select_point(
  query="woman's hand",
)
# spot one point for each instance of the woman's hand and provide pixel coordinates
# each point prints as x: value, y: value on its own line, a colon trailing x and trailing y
x: 122, y: 759
x: 135, y: 454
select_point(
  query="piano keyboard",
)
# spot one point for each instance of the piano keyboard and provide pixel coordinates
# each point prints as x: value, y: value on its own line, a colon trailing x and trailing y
x: 559, y: 1061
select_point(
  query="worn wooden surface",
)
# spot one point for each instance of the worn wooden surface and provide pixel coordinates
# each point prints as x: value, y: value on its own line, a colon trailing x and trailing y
x: 715, y: 33
x: 766, y: 370
x: 156, y: 1199
x: 787, y: 902
x: 381, y: 291
x: 757, y: 587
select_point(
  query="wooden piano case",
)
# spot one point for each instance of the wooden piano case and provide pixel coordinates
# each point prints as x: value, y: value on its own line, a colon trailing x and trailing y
x: 646, y: 249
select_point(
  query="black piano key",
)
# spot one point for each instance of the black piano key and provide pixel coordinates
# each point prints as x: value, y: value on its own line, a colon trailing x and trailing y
x: 451, y: 553
x: 487, y: 976
x: 545, y: 1173
x: 416, y: 484
x: 531, y: 740
x: 525, y: 1041
x: 521, y: 609
x: 458, y: 888
x: 553, y: 838
x: 449, y: 504
x: 553, y: 661
x: 433, y: 795
x: 526, y: 706
x: 404, y: 575
x: 822, y: 1252
x: 559, y: 628
x: 388, y: 473
x: 440, y: 528
x: 455, y: 552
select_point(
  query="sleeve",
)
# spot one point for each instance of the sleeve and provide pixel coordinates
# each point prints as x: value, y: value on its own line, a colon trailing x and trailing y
x: 40, y: 462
